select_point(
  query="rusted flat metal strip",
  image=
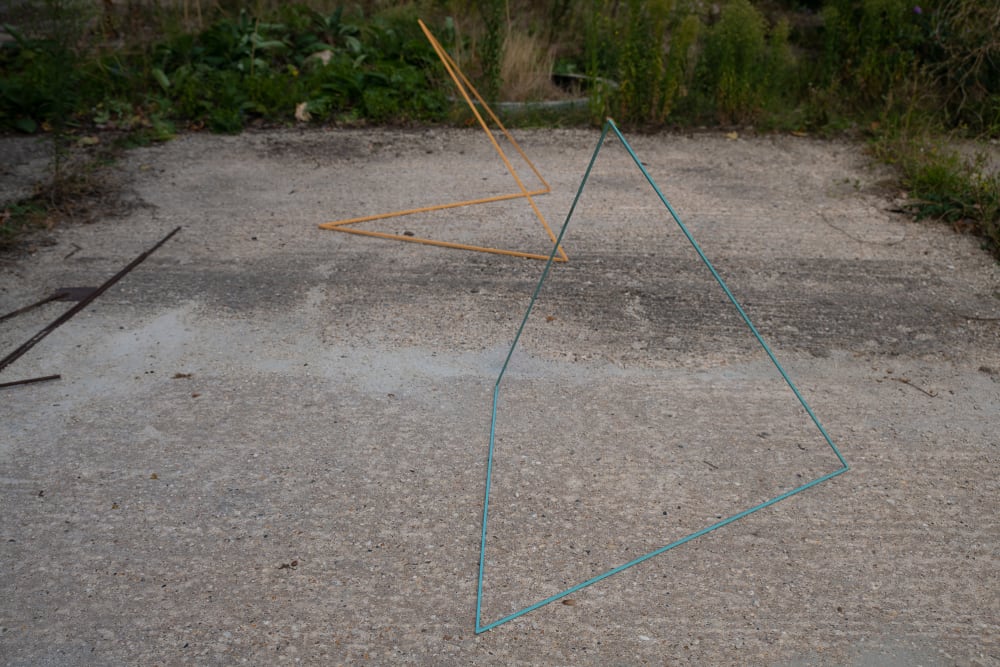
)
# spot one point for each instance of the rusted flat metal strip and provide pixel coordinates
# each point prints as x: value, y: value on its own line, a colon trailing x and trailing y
x: 19, y: 311
x: 83, y: 303
x: 61, y: 294
x: 16, y: 383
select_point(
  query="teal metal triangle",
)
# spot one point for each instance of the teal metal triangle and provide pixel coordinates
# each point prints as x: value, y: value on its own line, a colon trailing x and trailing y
x: 609, y: 126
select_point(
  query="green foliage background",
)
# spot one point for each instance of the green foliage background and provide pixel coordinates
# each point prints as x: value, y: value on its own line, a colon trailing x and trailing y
x: 794, y: 64
x: 905, y: 73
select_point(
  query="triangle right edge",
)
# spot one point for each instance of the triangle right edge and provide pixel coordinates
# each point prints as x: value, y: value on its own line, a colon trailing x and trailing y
x: 480, y: 627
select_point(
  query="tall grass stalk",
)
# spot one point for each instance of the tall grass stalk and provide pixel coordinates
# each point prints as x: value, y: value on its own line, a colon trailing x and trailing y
x: 494, y: 13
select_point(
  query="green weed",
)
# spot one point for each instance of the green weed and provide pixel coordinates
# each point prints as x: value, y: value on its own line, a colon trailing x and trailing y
x: 959, y: 191
x: 18, y: 219
x: 492, y: 47
x: 678, y: 71
x: 945, y: 185
x: 734, y: 64
x: 648, y: 49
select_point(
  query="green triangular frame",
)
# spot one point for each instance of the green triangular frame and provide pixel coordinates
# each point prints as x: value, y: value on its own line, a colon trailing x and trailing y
x: 609, y: 126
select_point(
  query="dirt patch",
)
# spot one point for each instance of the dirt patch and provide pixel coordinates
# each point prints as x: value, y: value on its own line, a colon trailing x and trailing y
x: 25, y: 165
x: 80, y: 187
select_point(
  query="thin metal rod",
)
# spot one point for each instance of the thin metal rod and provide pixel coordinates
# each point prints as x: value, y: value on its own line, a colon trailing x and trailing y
x: 452, y: 67
x: 426, y: 209
x: 729, y: 294
x: 552, y: 258
x: 16, y: 383
x: 503, y: 370
x: 61, y: 294
x: 83, y: 303
x: 442, y: 244
x: 19, y: 311
x: 668, y: 547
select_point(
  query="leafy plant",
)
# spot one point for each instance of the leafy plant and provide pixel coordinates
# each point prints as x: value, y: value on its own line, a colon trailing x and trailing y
x: 741, y: 65
x: 871, y: 44
x: 641, y: 66
x: 491, y: 51
x: 959, y: 191
x: 648, y: 48
x: 946, y: 185
x: 679, y: 67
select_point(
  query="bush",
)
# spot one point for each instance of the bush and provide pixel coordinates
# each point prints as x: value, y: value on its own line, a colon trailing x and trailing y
x: 340, y: 64
x: 492, y: 47
x: 648, y: 49
x: 966, y: 38
x: 733, y: 69
x: 947, y: 187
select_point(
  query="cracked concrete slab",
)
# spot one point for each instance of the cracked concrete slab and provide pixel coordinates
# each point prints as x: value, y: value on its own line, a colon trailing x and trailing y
x: 268, y: 444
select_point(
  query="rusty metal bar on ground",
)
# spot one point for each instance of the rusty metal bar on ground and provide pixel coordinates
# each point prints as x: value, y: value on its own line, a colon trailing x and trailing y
x: 16, y: 383
x: 19, y: 311
x: 61, y: 294
x: 83, y: 303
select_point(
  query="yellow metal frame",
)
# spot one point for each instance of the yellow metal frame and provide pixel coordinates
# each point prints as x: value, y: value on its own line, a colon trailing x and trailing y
x: 464, y: 87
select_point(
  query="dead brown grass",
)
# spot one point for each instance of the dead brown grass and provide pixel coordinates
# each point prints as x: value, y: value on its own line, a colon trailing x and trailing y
x: 527, y: 69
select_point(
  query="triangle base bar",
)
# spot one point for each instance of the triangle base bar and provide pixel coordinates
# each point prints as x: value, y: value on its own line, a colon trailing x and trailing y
x: 441, y: 244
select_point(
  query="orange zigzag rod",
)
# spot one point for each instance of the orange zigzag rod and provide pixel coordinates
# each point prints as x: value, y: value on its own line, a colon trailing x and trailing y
x: 452, y: 68
x: 455, y: 73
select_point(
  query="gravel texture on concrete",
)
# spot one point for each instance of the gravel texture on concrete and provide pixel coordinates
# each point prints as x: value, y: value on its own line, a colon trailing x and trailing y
x: 268, y: 445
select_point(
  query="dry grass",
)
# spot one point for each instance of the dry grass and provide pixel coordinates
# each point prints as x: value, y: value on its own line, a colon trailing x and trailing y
x: 527, y: 69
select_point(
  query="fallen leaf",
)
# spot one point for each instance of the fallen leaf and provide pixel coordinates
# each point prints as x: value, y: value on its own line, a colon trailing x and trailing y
x: 732, y: 135
x: 302, y: 113
x: 154, y: 476
x: 323, y: 56
x: 569, y: 602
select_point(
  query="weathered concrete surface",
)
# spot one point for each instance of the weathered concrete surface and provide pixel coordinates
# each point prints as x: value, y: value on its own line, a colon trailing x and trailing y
x: 269, y: 442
